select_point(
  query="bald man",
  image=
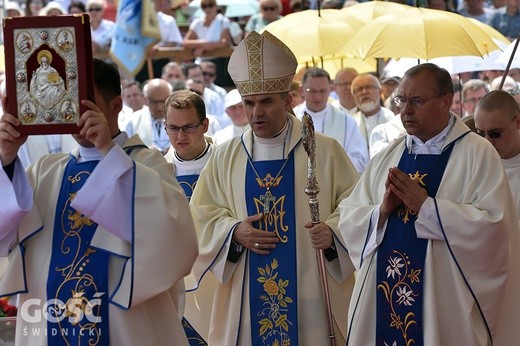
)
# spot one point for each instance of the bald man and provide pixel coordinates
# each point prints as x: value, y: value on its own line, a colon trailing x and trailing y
x: 148, y: 122
x: 497, y: 118
x: 342, y: 84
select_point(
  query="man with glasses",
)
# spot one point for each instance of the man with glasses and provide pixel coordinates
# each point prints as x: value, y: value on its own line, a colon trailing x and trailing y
x: 209, y: 74
x: 148, y: 122
x: 431, y: 227
x: 497, y: 118
x: 214, y: 103
x: 329, y: 119
x: 366, y: 89
x: 186, y: 124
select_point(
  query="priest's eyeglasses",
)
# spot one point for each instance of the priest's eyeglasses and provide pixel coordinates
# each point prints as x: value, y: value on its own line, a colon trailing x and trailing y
x: 415, y: 102
x: 174, y: 130
x: 496, y: 134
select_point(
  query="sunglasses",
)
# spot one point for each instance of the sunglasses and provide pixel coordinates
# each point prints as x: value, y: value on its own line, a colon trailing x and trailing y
x: 204, y: 6
x: 95, y: 9
x: 495, y: 134
x: 266, y: 8
x: 208, y: 74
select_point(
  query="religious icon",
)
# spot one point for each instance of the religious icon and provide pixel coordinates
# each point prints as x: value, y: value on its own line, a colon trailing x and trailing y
x: 68, y: 110
x: 47, y: 73
x: 28, y: 112
x: 24, y: 42
x: 65, y: 40
x: 47, y: 86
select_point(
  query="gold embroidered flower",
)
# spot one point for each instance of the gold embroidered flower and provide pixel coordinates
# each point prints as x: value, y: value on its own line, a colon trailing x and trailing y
x: 414, y: 275
x: 271, y: 287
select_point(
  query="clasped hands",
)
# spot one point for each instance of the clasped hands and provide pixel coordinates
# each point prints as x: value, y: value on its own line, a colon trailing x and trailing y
x: 400, y: 189
x: 261, y: 242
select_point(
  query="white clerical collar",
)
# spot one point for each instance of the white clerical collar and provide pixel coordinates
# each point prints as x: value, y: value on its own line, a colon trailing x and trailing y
x: 432, y: 146
x: 318, y: 118
x: 272, y: 148
x: 319, y: 114
x: 92, y: 153
x: 190, y: 167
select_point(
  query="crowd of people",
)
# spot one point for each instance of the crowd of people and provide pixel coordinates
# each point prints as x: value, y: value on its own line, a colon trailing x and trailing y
x: 180, y: 212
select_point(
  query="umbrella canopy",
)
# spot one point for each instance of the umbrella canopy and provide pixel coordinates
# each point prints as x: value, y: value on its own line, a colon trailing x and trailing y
x: 504, y: 57
x: 234, y: 8
x: 425, y: 34
x: 333, y: 64
x: 492, y: 32
x: 453, y: 64
x: 313, y: 34
x: 367, y: 11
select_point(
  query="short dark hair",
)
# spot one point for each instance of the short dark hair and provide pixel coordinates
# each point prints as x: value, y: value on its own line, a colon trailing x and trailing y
x: 107, y: 79
x: 189, y: 66
x: 131, y: 84
x: 78, y: 4
x: 186, y: 99
x: 441, y: 76
x: 315, y: 72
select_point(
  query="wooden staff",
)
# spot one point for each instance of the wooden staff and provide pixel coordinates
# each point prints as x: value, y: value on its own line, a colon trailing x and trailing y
x: 312, y: 191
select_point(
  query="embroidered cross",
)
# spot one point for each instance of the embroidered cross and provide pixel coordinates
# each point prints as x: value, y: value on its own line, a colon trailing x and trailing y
x: 267, y: 199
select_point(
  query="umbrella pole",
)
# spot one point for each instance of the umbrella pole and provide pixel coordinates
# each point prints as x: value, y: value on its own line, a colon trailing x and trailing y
x: 509, y: 62
x: 460, y: 96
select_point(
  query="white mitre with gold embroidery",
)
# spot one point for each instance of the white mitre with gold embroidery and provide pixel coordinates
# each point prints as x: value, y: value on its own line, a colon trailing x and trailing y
x: 270, y: 65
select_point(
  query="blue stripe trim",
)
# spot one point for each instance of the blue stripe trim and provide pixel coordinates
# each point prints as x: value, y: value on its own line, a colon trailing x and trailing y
x: 359, y: 297
x: 21, y: 245
x: 133, y: 236
x: 132, y: 258
x: 367, y: 238
x: 116, y: 289
x: 215, y: 259
x: 246, y: 265
x: 461, y: 272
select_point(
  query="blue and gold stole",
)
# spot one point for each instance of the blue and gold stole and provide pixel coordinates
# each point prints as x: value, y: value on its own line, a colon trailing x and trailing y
x: 401, y: 258
x: 272, y: 278
x: 77, y: 284
x: 188, y: 183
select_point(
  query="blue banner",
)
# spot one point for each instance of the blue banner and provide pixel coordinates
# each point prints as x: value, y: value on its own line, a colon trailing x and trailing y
x: 129, y: 45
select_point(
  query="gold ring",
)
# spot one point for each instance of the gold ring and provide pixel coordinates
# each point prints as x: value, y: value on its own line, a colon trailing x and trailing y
x: 257, y: 246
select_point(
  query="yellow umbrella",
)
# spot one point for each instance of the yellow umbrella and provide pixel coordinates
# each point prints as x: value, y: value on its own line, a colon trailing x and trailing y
x: 333, y: 64
x: 367, y: 11
x: 419, y: 33
x: 492, y: 32
x: 313, y: 34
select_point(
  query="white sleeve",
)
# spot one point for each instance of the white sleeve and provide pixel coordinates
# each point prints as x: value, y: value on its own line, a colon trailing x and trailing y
x: 16, y: 198
x: 427, y: 225
x: 355, y: 146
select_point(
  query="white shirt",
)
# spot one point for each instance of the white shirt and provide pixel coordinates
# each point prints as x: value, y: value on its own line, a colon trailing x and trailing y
x: 169, y: 29
x: 512, y: 168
